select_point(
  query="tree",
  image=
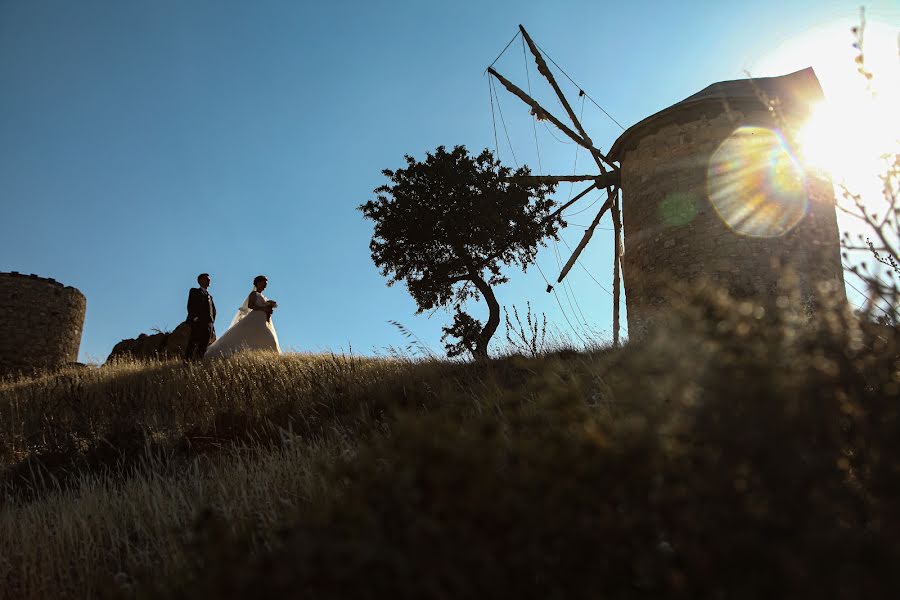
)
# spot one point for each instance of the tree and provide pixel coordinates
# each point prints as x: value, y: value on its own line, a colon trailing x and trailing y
x: 879, y: 220
x: 447, y: 225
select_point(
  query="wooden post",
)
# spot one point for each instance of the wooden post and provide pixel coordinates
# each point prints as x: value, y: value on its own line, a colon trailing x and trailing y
x: 617, y: 254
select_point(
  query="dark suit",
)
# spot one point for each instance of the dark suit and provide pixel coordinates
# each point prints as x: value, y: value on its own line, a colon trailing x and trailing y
x: 201, y: 317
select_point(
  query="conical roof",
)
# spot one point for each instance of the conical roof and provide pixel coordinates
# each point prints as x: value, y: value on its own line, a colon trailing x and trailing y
x: 795, y: 91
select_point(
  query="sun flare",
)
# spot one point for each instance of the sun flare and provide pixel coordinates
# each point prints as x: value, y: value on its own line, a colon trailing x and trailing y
x: 848, y: 134
x: 755, y: 184
x: 848, y: 141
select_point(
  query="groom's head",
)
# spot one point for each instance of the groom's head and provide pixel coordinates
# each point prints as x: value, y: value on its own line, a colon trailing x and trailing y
x: 203, y: 280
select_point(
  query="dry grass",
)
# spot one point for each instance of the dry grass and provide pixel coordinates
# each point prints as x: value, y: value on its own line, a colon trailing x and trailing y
x: 87, y: 415
x: 112, y: 530
x: 105, y: 470
x: 741, y: 453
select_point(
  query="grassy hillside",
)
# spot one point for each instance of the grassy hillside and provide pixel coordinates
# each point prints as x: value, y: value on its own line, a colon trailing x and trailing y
x: 745, y: 453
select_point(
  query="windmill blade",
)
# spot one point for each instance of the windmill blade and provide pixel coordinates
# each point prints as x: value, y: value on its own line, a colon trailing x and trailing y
x: 539, y: 110
x: 572, y: 201
x: 587, y: 235
x: 600, y: 181
x: 544, y: 70
x: 617, y: 255
x: 551, y: 178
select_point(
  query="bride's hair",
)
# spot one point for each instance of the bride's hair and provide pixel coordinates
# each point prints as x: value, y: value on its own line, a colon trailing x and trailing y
x: 258, y: 278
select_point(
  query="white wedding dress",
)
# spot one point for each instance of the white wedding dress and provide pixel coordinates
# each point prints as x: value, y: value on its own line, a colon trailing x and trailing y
x: 251, y: 329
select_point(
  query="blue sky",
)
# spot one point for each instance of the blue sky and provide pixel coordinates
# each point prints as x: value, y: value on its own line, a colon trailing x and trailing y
x: 144, y: 142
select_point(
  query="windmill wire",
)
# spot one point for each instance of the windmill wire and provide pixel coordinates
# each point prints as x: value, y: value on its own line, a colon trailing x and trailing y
x: 858, y: 307
x: 567, y: 285
x: 584, y: 320
x: 870, y: 302
x: 565, y: 282
x: 577, y: 149
x: 868, y: 299
x: 583, y: 226
x: 571, y: 296
x: 572, y: 327
x: 875, y: 274
x: 558, y: 303
x: 553, y: 135
x: 533, y: 116
x: 503, y: 122
x: 580, y: 89
x: 567, y: 288
x: 585, y: 209
x: 568, y: 282
x: 878, y: 277
x: 861, y: 278
x: 883, y: 282
x: 518, y: 33
x: 494, y: 120
x: 550, y: 288
x: 585, y: 269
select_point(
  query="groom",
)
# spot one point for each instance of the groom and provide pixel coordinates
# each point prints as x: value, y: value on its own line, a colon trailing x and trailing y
x: 201, y: 317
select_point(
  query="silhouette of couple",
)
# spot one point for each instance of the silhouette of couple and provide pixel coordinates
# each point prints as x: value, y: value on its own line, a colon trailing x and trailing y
x: 251, y: 328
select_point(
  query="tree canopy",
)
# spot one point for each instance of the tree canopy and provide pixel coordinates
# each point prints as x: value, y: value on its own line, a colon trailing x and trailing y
x: 448, y: 224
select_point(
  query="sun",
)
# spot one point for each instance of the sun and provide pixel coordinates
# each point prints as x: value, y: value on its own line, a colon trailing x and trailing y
x: 848, y: 134
x: 848, y: 141
x: 851, y: 135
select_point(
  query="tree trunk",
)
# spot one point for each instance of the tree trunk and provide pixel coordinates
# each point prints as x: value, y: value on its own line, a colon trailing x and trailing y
x: 481, y: 345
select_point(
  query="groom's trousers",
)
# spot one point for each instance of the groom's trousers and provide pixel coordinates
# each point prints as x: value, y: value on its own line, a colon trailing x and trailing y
x: 201, y: 334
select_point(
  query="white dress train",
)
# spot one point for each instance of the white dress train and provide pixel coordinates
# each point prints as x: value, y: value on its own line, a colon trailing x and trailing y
x: 250, y: 330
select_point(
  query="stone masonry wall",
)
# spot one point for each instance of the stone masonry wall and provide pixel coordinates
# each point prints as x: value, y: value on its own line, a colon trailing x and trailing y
x: 672, y: 232
x: 40, y: 322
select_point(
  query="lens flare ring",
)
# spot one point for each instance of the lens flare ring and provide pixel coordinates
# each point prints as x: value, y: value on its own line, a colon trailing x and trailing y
x: 755, y: 184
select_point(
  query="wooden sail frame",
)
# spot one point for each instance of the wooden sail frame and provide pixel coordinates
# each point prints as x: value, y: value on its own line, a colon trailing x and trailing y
x: 609, y: 177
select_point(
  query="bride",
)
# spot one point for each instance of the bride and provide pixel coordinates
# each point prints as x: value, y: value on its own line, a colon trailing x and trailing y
x: 251, y: 328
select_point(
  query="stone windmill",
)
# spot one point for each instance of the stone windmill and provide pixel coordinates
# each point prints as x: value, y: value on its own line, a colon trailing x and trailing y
x: 713, y: 189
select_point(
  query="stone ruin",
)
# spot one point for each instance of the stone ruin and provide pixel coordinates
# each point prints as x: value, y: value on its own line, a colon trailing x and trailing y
x: 41, y: 322
x: 159, y: 345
